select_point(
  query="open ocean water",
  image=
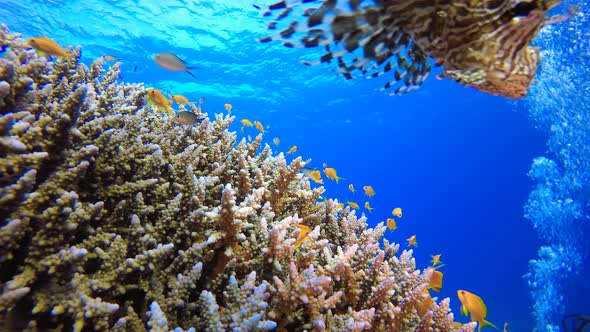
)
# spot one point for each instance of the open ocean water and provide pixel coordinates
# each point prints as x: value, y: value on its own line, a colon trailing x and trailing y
x: 454, y: 159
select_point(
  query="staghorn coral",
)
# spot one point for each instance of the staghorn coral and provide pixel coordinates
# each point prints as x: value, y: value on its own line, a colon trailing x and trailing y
x: 116, y: 218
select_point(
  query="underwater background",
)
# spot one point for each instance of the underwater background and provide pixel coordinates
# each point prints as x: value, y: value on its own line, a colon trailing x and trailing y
x: 455, y: 159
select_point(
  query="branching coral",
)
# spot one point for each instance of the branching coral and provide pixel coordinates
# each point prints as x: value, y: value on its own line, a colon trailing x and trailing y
x: 116, y: 218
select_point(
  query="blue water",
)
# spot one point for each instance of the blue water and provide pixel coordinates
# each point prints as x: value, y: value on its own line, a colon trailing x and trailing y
x: 456, y: 160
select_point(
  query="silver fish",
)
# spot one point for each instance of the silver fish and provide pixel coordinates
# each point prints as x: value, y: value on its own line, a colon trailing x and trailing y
x: 109, y: 58
x: 172, y: 62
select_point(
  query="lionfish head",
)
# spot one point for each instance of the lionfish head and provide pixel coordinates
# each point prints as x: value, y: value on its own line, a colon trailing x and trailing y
x: 503, y: 62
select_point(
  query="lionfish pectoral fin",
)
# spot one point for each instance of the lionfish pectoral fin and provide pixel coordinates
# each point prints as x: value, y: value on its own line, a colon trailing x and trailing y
x: 571, y: 12
x: 552, y: 3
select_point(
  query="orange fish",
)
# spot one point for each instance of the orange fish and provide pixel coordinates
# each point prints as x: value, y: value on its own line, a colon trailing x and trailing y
x: 436, y: 281
x: 259, y: 126
x: 303, y: 231
x: 47, y: 46
x: 156, y: 97
x: 391, y: 224
x: 293, y: 149
x: 436, y: 260
x: 424, y: 305
x: 368, y: 207
x: 397, y: 212
x: 412, y: 241
x: 340, y: 206
x: 276, y: 141
x: 353, y: 205
x: 246, y: 122
x: 227, y: 107
x: 351, y: 188
x: 473, y: 304
x: 369, y: 191
x: 314, y: 175
x: 179, y: 99
x: 331, y: 174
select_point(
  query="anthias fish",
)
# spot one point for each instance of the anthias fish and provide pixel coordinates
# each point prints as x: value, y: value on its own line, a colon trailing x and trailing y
x: 484, y: 44
x: 47, y: 46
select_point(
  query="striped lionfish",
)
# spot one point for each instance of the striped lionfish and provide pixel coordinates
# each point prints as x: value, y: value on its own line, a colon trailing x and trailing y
x: 480, y: 43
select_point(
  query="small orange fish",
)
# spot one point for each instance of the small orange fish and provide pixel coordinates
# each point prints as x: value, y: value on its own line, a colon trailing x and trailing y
x: 293, y: 149
x: 259, y: 126
x: 412, y: 241
x: 303, y: 231
x: 424, y: 305
x: 340, y: 206
x: 397, y: 212
x: 331, y: 174
x: 368, y: 207
x: 276, y: 141
x: 436, y: 281
x: 314, y: 175
x: 227, y: 107
x: 156, y: 97
x: 179, y: 99
x: 353, y: 205
x: 391, y: 224
x: 369, y: 191
x: 473, y: 304
x: 47, y: 46
x: 351, y: 188
x: 436, y: 260
x: 246, y: 122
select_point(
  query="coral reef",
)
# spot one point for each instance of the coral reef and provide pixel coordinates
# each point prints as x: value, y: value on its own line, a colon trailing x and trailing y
x: 114, y: 217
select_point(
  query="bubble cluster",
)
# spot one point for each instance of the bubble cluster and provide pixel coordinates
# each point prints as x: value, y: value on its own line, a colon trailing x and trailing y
x: 559, y: 105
